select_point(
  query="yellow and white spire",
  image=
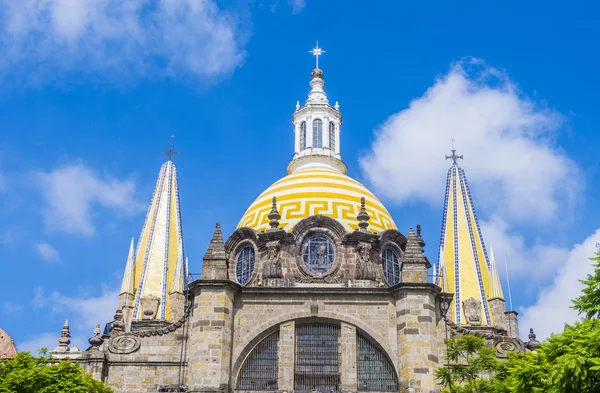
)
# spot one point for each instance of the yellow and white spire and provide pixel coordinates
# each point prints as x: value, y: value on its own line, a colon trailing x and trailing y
x: 159, y: 265
x: 464, y: 267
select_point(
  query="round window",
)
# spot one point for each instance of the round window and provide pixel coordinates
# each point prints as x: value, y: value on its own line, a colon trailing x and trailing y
x: 391, y: 266
x: 318, y: 253
x: 244, y: 265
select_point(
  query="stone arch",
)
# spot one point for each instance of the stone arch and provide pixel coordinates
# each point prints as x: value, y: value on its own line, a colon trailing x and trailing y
x: 318, y: 221
x: 269, y: 326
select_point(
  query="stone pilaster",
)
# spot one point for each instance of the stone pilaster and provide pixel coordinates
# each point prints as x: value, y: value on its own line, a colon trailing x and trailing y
x: 512, y: 324
x: 126, y: 305
x: 498, y: 309
x: 286, y: 352
x: 348, y: 377
x: 417, y: 339
x: 211, y: 323
x: 177, y: 305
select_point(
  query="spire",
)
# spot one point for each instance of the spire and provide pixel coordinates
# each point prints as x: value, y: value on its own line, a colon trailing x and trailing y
x: 127, y: 285
x: 65, y: 338
x: 495, y: 290
x: 274, y: 216
x: 414, y: 261
x: 159, y: 248
x: 215, y: 259
x: 317, y: 128
x: 363, y: 217
x: 463, y: 256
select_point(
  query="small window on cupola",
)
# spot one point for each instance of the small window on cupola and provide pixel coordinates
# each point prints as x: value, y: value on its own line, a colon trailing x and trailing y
x: 332, y: 136
x: 317, y: 133
x: 302, y: 135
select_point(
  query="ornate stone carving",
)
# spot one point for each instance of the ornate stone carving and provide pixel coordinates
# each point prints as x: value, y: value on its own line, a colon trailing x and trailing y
x: 506, y: 345
x: 365, y: 268
x: 150, y: 307
x: 472, y: 308
x: 272, y: 268
x: 336, y: 278
x: 124, y: 343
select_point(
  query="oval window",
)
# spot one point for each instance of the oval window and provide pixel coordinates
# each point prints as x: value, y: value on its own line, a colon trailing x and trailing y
x: 244, y: 265
x: 391, y: 266
x: 318, y: 253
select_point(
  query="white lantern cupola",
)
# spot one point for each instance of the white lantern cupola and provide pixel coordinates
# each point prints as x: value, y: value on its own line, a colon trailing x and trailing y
x: 317, y: 129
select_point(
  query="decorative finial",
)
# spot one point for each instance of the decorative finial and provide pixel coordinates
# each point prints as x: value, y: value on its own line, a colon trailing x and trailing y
x: 421, y: 242
x: 453, y: 156
x: 363, y: 217
x: 532, y: 344
x: 118, y: 325
x: 317, y: 52
x: 65, y: 337
x: 274, y: 216
x: 95, y: 341
x: 297, y: 105
x: 337, y: 106
x: 171, y: 152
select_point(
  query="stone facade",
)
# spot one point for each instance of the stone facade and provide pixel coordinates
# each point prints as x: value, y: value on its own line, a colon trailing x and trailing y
x: 222, y: 323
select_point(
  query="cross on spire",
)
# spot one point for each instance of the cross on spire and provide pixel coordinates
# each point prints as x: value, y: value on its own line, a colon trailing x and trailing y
x: 171, y: 152
x: 454, y: 157
x: 317, y: 52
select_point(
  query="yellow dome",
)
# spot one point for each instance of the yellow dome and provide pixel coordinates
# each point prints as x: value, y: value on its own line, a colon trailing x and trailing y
x: 310, y: 192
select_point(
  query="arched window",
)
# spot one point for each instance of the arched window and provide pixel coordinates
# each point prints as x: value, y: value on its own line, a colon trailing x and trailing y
x: 318, y: 253
x: 259, y: 371
x: 317, y: 133
x: 332, y: 136
x: 391, y: 266
x: 244, y: 265
x: 375, y: 372
x: 317, y: 357
x: 302, y: 135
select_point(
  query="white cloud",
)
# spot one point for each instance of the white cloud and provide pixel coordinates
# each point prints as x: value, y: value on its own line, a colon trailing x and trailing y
x: 82, y: 311
x: 506, y: 139
x: 297, y: 5
x: 552, y: 307
x: 47, y: 252
x: 174, y: 38
x: 70, y: 192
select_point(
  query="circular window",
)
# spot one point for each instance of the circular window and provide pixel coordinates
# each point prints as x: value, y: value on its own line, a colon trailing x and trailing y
x: 318, y: 254
x: 391, y: 266
x: 244, y: 265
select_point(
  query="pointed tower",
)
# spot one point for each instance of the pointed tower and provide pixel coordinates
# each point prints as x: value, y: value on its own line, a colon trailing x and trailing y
x: 126, y: 296
x: 159, y: 265
x: 464, y: 265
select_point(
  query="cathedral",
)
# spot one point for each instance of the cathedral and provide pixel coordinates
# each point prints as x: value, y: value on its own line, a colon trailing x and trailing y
x: 316, y: 289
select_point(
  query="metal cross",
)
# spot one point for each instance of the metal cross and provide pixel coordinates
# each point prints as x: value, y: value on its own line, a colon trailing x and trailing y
x: 171, y: 153
x: 317, y: 52
x: 453, y: 156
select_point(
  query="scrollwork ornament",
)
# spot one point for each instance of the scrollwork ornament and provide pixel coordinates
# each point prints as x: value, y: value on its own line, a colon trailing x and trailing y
x: 124, y: 344
x: 507, y: 345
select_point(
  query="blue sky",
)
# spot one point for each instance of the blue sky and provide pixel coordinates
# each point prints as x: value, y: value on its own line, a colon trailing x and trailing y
x: 89, y: 99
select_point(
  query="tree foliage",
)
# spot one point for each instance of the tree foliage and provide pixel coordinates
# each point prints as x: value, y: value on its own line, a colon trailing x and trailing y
x: 30, y: 374
x: 568, y: 362
x: 588, y: 303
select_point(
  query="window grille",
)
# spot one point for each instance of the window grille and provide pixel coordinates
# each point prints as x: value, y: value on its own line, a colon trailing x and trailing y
x: 317, y: 133
x: 317, y: 357
x: 318, y: 254
x: 244, y: 265
x: 332, y: 136
x: 375, y: 372
x: 259, y: 371
x: 303, y: 135
x: 391, y: 266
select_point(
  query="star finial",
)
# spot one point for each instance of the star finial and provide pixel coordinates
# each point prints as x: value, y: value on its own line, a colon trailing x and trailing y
x: 171, y: 152
x: 454, y: 157
x: 317, y: 52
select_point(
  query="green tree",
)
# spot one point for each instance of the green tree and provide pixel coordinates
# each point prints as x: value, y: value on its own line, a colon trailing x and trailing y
x: 30, y: 374
x: 470, y: 364
x: 588, y: 303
